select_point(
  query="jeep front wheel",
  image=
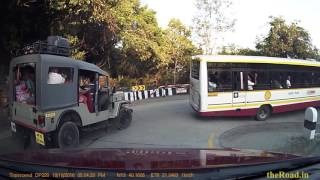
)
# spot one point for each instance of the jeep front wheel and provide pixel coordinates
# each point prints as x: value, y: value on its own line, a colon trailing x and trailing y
x: 124, y: 118
x: 68, y: 135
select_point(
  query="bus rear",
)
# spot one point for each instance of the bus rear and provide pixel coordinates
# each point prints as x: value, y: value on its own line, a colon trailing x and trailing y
x: 195, y: 98
x: 211, y: 87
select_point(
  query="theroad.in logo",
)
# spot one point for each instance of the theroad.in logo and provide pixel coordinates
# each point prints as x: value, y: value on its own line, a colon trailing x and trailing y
x: 287, y: 175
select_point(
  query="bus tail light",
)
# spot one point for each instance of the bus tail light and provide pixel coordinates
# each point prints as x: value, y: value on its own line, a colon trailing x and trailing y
x: 41, y: 120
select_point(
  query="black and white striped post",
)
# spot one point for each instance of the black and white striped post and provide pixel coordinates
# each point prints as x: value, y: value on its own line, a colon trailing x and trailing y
x: 153, y: 93
x: 310, y: 122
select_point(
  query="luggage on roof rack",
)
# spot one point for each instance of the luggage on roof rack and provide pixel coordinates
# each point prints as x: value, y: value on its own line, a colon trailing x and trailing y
x: 55, y: 45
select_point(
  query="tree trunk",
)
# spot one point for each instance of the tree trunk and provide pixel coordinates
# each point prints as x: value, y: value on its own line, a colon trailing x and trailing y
x: 174, y: 72
x: 174, y: 76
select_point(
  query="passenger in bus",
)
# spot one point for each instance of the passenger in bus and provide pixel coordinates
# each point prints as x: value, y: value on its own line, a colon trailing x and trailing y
x: 213, y: 82
x: 212, y: 86
x: 250, y: 83
x: 288, y: 82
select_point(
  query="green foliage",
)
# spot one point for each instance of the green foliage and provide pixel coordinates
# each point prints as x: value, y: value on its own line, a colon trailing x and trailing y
x: 287, y: 40
x: 90, y: 26
x: 140, y: 42
x: 22, y: 22
x: 123, y: 37
x: 120, y: 36
x: 127, y: 82
x: 179, y: 48
x: 148, y: 81
x: 233, y: 50
x: 76, y: 53
x: 211, y: 19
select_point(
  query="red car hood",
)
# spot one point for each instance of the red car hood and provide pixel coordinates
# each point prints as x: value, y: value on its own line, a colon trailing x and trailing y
x: 146, y: 159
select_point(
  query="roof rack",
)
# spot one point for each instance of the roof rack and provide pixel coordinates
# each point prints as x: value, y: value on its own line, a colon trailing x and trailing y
x: 55, y: 45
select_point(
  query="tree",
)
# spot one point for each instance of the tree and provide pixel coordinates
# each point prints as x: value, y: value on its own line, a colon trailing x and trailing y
x: 209, y: 22
x: 89, y: 24
x: 179, y: 47
x: 140, y: 42
x: 123, y: 37
x: 287, y: 40
x: 233, y: 50
x: 22, y: 22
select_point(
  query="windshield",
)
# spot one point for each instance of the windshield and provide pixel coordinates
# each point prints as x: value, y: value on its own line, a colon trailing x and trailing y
x: 193, y: 75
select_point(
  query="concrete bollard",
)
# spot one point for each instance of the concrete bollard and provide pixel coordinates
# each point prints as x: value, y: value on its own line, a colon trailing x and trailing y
x: 310, y: 122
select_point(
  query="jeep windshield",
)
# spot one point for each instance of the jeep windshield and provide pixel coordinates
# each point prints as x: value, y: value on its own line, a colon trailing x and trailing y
x: 159, y: 86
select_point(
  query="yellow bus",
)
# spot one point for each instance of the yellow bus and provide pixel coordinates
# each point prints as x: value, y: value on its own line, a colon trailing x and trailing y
x: 252, y: 85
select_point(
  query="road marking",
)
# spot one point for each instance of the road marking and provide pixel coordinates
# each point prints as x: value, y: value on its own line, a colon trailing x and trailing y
x: 210, y: 140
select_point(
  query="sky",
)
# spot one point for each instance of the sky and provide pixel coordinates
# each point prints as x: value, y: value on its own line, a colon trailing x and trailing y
x: 252, y: 17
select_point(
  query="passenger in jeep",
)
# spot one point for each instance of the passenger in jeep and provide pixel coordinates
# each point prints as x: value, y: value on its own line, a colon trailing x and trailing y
x: 84, y: 93
x: 54, y: 77
x: 25, y: 86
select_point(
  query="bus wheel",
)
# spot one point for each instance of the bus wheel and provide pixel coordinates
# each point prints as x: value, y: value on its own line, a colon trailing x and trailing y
x: 68, y: 135
x: 263, y: 113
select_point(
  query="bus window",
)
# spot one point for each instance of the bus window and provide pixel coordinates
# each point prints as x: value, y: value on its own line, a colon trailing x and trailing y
x: 288, y: 80
x: 307, y: 82
x: 282, y: 78
x: 212, y: 81
x: 317, y: 79
x: 276, y: 80
x: 219, y: 81
x: 295, y: 80
x: 219, y: 76
x: 195, y: 68
x: 225, y: 81
x: 238, y: 81
x: 262, y: 80
x: 252, y: 78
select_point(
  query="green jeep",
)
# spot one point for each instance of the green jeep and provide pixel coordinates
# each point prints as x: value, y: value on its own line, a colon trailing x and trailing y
x: 53, y: 97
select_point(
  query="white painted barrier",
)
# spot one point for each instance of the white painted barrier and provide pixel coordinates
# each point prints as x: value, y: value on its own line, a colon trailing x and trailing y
x: 138, y: 95
x: 310, y: 122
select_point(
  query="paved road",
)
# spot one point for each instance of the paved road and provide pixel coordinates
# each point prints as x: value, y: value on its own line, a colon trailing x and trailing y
x: 170, y: 122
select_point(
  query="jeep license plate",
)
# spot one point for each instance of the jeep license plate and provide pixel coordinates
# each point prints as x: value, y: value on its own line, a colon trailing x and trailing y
x: 39, y: 138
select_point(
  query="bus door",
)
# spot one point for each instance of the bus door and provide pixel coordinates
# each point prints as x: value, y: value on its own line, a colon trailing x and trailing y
x: 238, y: 93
